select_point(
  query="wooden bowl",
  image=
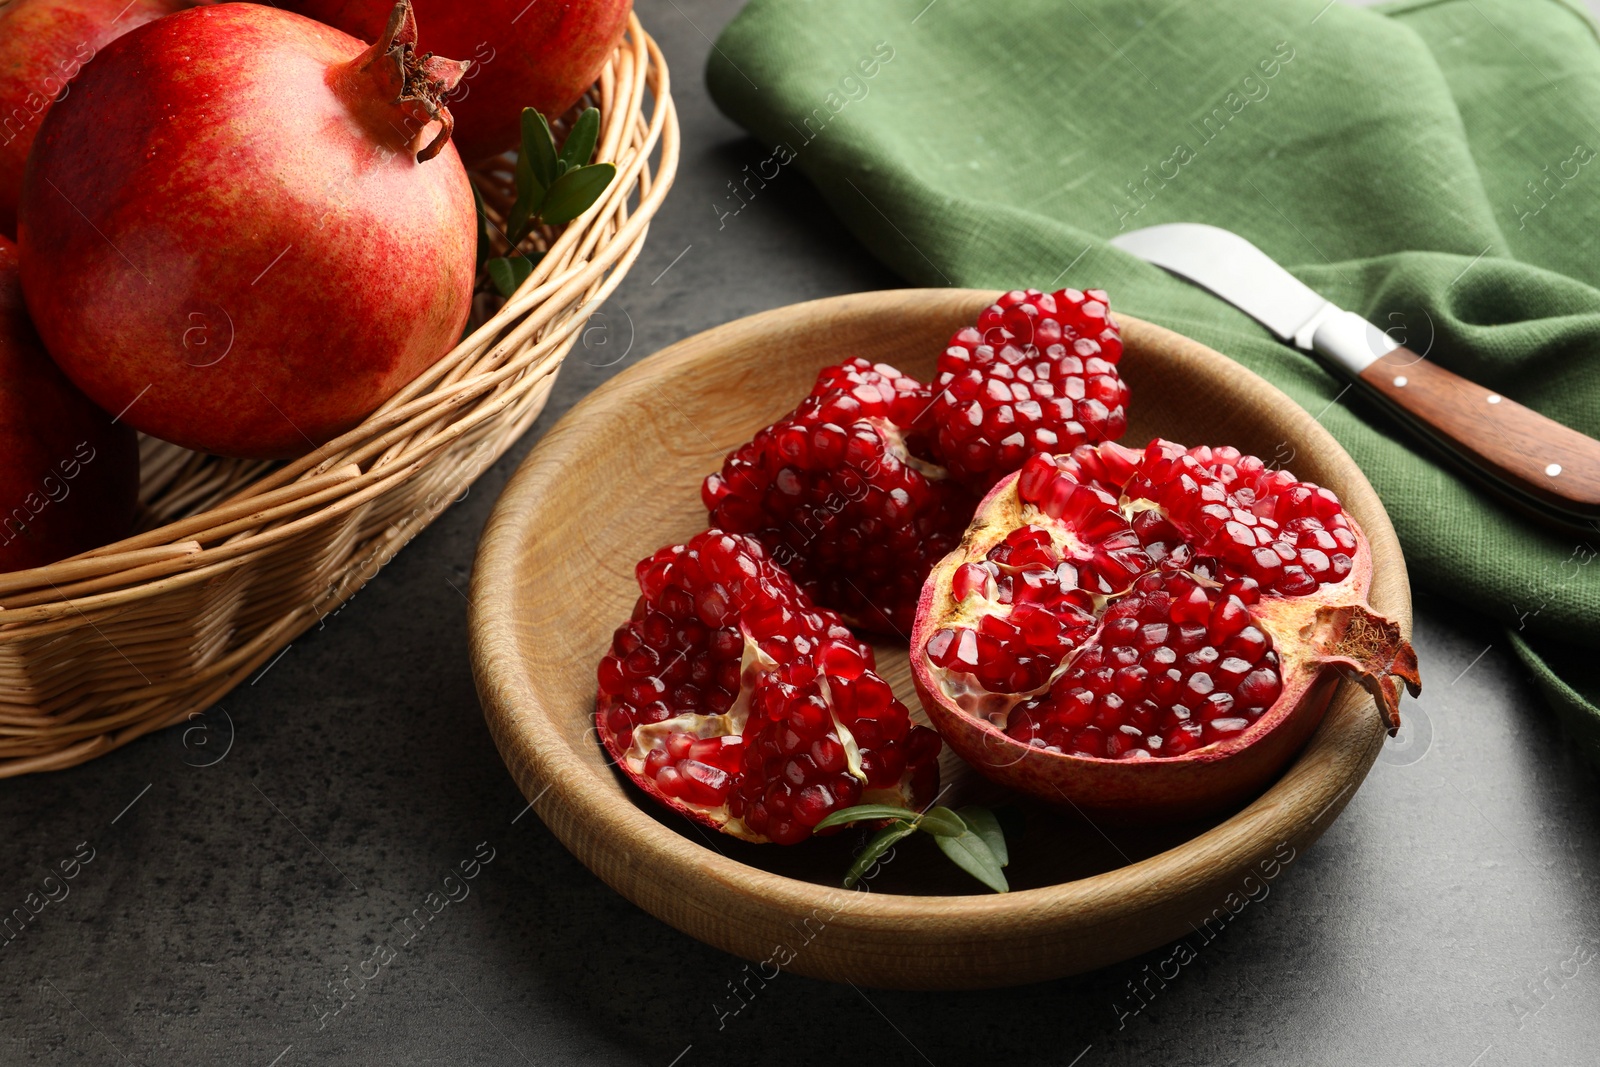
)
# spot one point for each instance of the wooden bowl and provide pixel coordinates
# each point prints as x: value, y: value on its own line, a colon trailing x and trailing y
x: 620, y: 477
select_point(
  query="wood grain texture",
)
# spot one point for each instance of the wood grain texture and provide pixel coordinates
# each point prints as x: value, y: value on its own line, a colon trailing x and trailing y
x: 1529, y: 453
x: 619, y: 477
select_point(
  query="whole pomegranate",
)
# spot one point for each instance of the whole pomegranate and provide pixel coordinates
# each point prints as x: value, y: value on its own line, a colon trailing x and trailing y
x: 731, y: 698
x: 844, y: 495
x: 70, y: 481
x: 1149, y: 635
x: 541, y: 55
x: 246, y: 229
x: 43, y: 45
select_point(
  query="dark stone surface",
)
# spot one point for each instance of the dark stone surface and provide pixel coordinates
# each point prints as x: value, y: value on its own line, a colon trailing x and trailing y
x: 219, y: 907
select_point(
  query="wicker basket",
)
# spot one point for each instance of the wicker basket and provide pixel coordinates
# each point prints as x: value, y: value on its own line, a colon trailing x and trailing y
x: 235, y: 558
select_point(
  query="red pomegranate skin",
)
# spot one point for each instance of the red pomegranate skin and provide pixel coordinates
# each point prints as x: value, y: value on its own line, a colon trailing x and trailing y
x: 542, y: 55
x: 225, y: 232
x: 69, y: 481
x: 43, y: 45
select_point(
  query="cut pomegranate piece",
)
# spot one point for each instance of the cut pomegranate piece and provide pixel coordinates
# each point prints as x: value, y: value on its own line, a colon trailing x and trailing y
x: 1152, y: 634
x: 733, y: 699
x: 1038, y: 373
x: 842, y: 493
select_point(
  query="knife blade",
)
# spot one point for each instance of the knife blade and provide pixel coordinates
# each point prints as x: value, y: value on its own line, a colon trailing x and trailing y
x: 1534, y: 462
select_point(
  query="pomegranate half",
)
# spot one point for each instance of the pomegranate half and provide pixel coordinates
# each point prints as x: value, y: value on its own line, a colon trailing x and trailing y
x: 244, y: 230
x: 1149, y: 635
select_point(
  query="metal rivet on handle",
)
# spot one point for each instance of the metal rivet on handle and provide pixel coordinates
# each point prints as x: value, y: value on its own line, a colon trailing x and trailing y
x: 1494, y: 398
x: 1400, y: 380
x: 1553, y: 470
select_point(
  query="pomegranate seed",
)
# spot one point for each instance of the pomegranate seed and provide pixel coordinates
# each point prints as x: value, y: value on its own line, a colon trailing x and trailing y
x: 703, y: 784
x: 971, y: 579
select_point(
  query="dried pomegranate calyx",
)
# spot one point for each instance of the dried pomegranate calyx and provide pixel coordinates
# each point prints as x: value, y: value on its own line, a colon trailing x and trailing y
x: 416, y: 83
x: 1370, y: 646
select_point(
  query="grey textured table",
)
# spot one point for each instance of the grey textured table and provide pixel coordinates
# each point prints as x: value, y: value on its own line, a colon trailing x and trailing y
x: 240, y: 875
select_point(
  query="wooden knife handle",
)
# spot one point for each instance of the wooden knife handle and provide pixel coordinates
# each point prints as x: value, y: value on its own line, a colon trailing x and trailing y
x: 1532, y: 454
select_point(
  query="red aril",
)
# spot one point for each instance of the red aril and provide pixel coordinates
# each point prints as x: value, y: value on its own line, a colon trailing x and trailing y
x: 844, y: 493
x: 524, y: 54
x: 43, y: 45
x: 246, y: 230
x: 731, y: 698
x: 70, y: 481
x: 1149, y: 635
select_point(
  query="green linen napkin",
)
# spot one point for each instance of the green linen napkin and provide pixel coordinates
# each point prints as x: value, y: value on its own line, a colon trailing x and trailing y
x: 1432, y: 165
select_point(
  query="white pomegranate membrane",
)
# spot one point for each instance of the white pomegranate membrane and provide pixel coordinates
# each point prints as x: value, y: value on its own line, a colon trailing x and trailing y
x: 1130, y: 606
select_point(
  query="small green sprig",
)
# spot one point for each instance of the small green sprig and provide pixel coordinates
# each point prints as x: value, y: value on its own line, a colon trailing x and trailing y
x: 552, y: 187
x: 970, y: 836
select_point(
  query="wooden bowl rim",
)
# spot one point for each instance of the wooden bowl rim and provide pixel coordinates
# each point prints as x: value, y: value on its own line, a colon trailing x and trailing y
x: 568, y: 795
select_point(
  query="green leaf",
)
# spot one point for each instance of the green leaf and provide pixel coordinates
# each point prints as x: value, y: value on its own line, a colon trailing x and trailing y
x: 508, y: 274
x: 484, y: 248
x: 941, y: 822
x: 533, y: 182
x: 880, y: 843
x: 575, y: 192
x: 523, y: 215
x: 531, y: 186
x: 580, y: 140
x: 967, y: 851
x: 538, y: 148
x: 866, y: 813
x: 982, y: 822
x: 528, y: 187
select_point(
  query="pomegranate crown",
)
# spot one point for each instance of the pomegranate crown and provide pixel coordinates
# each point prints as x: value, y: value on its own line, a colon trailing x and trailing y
x: 419, y: 82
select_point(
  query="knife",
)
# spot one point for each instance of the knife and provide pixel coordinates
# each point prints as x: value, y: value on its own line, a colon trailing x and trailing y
x: 1532, y: 461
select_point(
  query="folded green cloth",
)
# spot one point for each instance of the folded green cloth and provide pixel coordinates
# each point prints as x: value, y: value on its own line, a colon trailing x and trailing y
x: 1432, y: 165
